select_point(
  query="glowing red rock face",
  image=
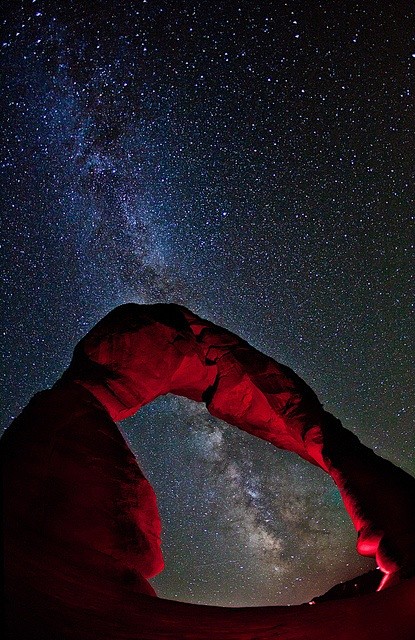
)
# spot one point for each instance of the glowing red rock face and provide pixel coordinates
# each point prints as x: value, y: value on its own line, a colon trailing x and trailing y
x: 82, y: 530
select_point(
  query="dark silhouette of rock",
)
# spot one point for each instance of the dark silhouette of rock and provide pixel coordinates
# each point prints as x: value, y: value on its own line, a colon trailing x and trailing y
x: 81, y: 526
x: 366, y: 583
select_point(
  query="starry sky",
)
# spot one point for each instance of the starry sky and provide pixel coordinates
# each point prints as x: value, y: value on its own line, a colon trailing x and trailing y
x: 255, y: 162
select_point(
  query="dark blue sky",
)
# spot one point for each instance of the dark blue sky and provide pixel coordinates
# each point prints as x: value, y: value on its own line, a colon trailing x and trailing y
x: 253, y: 161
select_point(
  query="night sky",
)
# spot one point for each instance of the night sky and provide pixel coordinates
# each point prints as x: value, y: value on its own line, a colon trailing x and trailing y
x: 255, y: 162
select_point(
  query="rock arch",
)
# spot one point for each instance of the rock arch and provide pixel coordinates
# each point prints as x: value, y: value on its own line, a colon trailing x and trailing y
x: 79, y: 511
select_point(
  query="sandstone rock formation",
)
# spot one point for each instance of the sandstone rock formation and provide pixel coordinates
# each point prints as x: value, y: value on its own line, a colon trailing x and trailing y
x: 81, y: 526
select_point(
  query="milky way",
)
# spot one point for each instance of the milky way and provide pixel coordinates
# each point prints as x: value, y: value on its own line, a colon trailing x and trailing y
x: 253, y: 161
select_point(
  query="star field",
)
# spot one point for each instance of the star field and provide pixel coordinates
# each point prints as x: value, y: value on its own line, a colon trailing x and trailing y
x: 253, y: 161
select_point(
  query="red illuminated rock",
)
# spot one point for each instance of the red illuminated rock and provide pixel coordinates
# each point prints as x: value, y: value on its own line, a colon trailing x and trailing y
x: 82, y: 530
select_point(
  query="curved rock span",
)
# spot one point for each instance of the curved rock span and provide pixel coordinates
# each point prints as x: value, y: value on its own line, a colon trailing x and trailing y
x: 81, y: 525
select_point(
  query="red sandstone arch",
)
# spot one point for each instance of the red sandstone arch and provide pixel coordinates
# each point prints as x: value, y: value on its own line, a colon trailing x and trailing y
x: 80, y: 518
